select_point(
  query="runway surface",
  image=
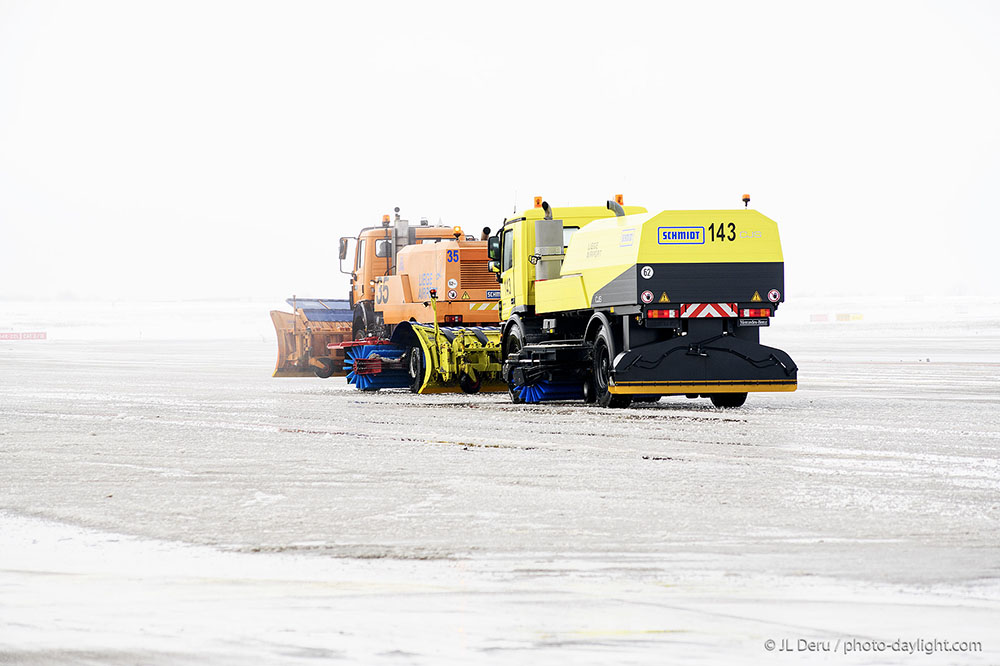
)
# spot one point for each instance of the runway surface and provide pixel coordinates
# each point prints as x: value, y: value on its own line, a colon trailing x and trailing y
x: 167, y: 501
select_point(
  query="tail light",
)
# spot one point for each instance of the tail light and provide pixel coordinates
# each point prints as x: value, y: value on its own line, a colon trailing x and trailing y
x: 453, y: 319
x: 658, y: 313
x: 756, y: 312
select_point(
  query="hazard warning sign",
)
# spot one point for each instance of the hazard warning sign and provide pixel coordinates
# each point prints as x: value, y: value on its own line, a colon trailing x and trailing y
x: 465, y: 296
x: 756, y: 297
x: 664, y: 298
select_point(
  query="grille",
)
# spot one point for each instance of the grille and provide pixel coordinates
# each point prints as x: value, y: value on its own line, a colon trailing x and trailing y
x: 476, y: 275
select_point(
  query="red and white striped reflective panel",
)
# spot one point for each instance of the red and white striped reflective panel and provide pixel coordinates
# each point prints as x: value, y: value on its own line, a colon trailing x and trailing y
x: 695, y: 310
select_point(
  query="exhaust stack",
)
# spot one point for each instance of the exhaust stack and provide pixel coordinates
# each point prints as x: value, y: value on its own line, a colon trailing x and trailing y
x: 548, y: 246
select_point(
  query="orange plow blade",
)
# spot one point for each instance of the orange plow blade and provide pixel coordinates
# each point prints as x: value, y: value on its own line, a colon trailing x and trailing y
x: 304, y: 337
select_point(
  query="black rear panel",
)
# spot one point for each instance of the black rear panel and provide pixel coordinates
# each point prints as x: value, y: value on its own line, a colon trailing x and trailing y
x: 695, y: 283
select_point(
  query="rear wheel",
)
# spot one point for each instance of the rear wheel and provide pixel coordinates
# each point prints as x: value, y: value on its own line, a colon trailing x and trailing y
x: 415, y: 368
x: 602, y: 373
x: 728, y: 399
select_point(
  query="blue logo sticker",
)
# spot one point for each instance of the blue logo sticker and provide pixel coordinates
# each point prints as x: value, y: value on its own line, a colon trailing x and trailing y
x: 628, y: 235
x: 492, y: 293
x: 680, y: 235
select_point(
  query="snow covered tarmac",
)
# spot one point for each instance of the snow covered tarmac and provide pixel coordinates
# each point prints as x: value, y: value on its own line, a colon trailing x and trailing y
x: 168, y: 502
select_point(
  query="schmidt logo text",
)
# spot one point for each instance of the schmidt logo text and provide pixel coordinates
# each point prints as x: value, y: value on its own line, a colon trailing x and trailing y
x: 681, y: 235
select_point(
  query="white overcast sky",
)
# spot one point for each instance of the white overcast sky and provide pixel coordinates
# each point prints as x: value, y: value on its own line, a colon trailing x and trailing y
x: 206, y: 149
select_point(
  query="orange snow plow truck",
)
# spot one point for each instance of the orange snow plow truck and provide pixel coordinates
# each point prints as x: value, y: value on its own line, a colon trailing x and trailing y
x: 422, y: 312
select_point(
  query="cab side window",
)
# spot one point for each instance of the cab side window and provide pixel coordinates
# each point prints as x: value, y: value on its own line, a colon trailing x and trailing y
x: 362, y: 246
x: 508, y: 250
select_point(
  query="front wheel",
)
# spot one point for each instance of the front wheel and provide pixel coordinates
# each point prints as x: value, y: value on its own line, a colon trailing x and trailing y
x: 415, y: 368
x: 512, y: 344
x: 728, y: 399
x: 326, y: 371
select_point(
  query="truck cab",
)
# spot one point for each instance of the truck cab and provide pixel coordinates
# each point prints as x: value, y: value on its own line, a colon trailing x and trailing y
x: 514, y: 246
x: 376, y: 253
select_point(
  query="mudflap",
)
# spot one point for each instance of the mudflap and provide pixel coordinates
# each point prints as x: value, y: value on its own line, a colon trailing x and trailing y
x: 719, y: 364
x: 452, y: 352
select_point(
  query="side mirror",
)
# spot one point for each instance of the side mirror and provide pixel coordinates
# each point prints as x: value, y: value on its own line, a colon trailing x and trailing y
x: 494, y: 266
x: 345, y: 243
x: 383, y: 249
x: 493, y: 249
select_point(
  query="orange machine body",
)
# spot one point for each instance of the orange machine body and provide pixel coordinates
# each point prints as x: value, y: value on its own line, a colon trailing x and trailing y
x: 456, y: 270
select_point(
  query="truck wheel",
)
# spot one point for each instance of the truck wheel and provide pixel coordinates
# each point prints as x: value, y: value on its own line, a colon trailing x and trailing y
x: 366, y: 323
x: 326, y: 371
x: 728, y: 399
x: 416, y: 368
x: 513, y: 343
x: 359, y: 325
x: 469, y: 385
x: 602, y: 373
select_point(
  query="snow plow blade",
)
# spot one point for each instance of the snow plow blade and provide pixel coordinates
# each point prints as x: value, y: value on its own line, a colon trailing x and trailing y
x: 451, y: 359
x: 304, y: 337
x: 719, y: 364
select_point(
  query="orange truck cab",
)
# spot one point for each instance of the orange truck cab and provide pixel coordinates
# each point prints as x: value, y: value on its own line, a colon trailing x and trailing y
x: 398, y: 265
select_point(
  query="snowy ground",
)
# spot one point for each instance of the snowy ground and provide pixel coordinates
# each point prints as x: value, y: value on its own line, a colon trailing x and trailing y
x: 164, y: 500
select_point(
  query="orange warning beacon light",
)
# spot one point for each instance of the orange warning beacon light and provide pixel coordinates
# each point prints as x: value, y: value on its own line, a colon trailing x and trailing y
x: 385, y: 220
x: 620, y: 199
x: 538, y: 202
x: 457, y: 231
x: 746, y: 200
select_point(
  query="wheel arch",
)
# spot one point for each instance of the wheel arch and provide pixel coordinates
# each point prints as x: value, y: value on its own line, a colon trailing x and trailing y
x: 599, y: 320
x: 404, y: 335
x: 510, y: 324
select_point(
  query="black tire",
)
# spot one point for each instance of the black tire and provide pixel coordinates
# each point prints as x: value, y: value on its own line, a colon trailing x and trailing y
x: 728, y: 399
x: 468, y: 385
x: 326, y: 371
x: 362, y: 321
x: 512, y: 344
x: 602, y: 372
x: 415, y: 368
